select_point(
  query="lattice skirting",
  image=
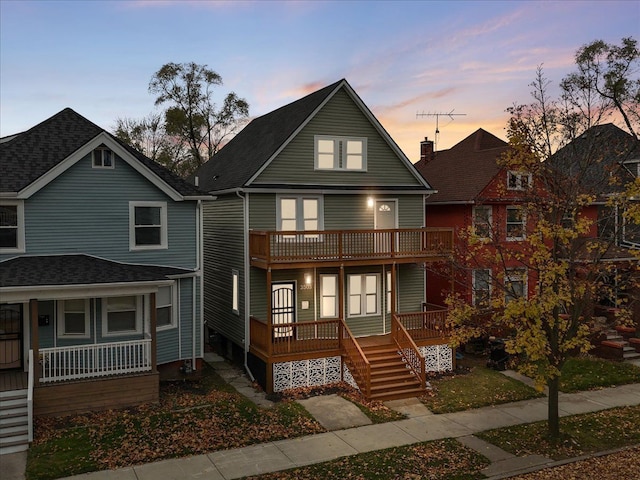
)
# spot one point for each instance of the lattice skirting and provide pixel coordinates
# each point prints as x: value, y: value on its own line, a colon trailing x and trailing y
x: 438, y: 358
x: 306, y: 373
x: 348, y: 378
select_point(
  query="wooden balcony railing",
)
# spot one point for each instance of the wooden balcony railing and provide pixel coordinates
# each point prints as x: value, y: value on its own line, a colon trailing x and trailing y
x: 408, y: 350
x: 292, y: 338
x: 94, y: 360
x: 271, y: 247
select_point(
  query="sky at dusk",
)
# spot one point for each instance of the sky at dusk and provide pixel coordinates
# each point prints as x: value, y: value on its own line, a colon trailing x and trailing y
x: 403, y: 58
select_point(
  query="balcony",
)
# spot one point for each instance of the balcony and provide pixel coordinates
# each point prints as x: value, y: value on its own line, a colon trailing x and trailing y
x: 279, y: 249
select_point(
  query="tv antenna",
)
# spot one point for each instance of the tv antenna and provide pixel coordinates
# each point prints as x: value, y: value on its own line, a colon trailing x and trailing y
x: 438, y: 115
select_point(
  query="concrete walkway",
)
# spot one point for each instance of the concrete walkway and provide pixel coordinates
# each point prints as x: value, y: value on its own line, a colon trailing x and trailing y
x: 342, y: 440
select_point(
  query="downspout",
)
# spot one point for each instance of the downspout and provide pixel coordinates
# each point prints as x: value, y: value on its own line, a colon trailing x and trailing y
x: 201, y: 272
x: 245, y: 233
x: 194, y: 323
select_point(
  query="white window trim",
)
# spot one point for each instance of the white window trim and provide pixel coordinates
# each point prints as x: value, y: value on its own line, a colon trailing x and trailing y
x: 340, y: 155
x: 519, y: 176
x: 61, y: 321
x: 473, y: 285
x: 138, y: 329
x: 514, y: 274
x: 322, y: 296
x: 102, y: 165
x: 388, y: 291
x: 163, y: 226
x: 174, y: 309
x: 524, y: 224
x: 363, y: 295
x: 300, y: 220
x: 235, y: 292
x: 20, y: 236
x: 489, y: 219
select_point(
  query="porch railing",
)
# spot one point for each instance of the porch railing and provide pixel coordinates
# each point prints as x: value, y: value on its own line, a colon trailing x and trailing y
x: 356, y: 360
x: 332, y: 245
x: 425, y: 325
x: 297, y: 337
x: 408, y: 350
x: 94, y: 360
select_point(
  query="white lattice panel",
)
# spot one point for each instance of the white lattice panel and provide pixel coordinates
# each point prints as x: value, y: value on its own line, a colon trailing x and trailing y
x: 348, y: 378
x: 306, y: 373
x: 437, y: 358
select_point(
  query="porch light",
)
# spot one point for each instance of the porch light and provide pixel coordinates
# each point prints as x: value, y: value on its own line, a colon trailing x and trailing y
x: 307, y: 278
x: 370, y: 202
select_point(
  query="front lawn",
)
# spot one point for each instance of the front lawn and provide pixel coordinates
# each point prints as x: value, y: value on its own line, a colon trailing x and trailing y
x: 587, y: 373
x: 477, y: 386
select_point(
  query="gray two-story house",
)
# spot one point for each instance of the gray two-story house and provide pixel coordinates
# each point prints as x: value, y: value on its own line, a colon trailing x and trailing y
x: 315, y: 248
x: 100, y: 269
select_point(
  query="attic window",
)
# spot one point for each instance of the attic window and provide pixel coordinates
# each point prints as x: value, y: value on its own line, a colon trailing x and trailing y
x: 102, y: 157
x: 341, y: 153
x: 518, y: 180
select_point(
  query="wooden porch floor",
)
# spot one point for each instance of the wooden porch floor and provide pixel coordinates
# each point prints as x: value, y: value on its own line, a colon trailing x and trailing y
x: 375, y: 340
x: 13, y: 380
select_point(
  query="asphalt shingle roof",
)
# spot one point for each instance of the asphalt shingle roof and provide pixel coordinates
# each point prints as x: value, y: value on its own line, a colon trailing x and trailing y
x: 460, y: 173
x: 249, y: 150
x: 27, y: 156
x: 52, y: 270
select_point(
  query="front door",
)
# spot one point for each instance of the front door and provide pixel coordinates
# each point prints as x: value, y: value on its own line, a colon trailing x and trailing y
x: 386, y: 218
x: 10, y: 336
x: 283, y: 308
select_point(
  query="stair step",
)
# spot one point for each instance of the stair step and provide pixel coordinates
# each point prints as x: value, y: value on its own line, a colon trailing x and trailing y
x: 6, y: 432
x: 389, y: 370
x: 14, y: 440
x: 13, y: 422
x: 395, y: 385
x: 397, y: 394
x: 13, y: 393
x: 11, y: 402
x: 13, y: 412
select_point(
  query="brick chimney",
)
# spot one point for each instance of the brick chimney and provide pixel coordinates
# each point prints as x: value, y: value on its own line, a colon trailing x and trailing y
x: 426, y: 151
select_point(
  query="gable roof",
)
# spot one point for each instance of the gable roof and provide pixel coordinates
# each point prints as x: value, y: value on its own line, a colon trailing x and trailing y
x: 252, y: 149
x: 460, y: 173
x: 596, y: 154
x: 28, y: 157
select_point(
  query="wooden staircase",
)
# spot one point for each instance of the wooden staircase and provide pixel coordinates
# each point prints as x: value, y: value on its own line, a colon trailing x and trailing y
x: 616, y: 346
x: 14, y: 420
x: 391, y: 378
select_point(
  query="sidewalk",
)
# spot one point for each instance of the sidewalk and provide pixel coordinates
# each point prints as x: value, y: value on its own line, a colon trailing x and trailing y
x: 421, y: 426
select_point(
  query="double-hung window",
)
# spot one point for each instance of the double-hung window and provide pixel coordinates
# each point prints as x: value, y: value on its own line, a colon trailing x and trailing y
x: 299, y: 213
x: 166, y: 299
x: 73, y: 318
x: 121, y: 315
x: 328, y: 296
x: 515, y: 284
x: 482, y: 216
x: 516, y: 223
x: 147, y: 225
x: 363, y: 294
x: 340, y: 153
x: 102, y: 157
x: 11, y: 226
x: 481, y: 287
x: 518, y: 180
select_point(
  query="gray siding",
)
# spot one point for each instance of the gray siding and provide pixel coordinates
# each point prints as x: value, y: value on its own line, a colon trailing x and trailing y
x: 339, y: 117
x: 224, y: 252
x: 86, y: 210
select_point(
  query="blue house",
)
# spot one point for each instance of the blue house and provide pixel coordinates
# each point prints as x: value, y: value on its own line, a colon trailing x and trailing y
x: 100, y: 271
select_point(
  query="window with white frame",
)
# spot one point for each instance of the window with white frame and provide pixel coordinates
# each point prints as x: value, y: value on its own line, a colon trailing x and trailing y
x: 73, y: 318
x: 482, y: 218
x: 630, y: 230
x: 11, y: 226
x: 166, y: 304
x: 516, y: 223
x: 235, y: 291
x: 299, y: 213
x: 515, y: 284
x: 121, y: 315
x: 341, y: 153
x: 481, y: 287
x: 147, y: 225
x: 363, y: 294
x: 518, y: 180
x: 328, y: 296
x: 102, y: 157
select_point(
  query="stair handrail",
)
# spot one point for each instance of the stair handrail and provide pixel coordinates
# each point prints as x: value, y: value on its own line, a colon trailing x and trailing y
x: 409, y: 350
x: 357, y: 358
x: 30, y: 397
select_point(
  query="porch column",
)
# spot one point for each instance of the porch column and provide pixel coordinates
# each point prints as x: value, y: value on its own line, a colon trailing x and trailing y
x: 153, y: 320
x: 393, y: 289
x: 35, y: 342
x: 269, y: 379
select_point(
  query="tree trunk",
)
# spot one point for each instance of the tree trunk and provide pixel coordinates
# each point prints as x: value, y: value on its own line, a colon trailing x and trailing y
x: 553, y: 416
